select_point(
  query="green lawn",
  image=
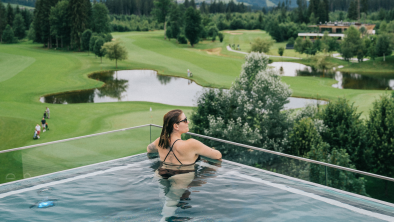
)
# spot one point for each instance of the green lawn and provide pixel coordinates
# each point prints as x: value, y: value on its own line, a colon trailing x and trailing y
x: 30, y: 71
x: 20, y: 6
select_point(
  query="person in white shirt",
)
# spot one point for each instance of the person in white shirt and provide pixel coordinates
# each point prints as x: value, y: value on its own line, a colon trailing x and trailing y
x: 48, y: 112
x: 38, y: 129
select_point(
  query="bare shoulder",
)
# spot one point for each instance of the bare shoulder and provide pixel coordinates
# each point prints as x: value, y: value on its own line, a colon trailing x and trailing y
x: 202, y: 149
x: 193, y: 143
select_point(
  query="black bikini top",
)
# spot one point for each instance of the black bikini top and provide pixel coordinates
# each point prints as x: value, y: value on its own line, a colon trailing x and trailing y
x: 175, y: 155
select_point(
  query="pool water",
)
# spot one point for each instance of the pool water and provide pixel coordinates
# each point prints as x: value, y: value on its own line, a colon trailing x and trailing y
x: 128, y: 189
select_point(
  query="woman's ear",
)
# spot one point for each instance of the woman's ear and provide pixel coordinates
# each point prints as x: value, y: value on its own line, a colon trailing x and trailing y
x: 175, y: 126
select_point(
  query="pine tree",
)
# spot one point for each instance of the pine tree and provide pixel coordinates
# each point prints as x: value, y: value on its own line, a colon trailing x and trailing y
x: 322, y: 12
x: 186, y: 4
x: 60, y: 26
x: 161, y: 10
x: 193, y: 4
x: 89, y: 12
x: 78, y: 18
x: 10, y: 14
x: 352, y: 11
x: 36, y: 23
x: 364, y: 6
x: 3, y: 20
x: 8, y: 35
x: 97, y: 49
x: 100, y: 18
x: 19, y: 26
x: 17, y: 9
x: 192, y: 25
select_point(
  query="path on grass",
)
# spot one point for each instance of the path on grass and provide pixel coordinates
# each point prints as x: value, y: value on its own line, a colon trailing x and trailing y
x: 232, y: 50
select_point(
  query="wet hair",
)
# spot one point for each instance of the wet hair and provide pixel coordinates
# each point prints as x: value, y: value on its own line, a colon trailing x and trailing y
x: 169, y: 120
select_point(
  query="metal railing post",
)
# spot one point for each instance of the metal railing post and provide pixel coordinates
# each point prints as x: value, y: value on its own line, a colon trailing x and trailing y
x: 326, y: 176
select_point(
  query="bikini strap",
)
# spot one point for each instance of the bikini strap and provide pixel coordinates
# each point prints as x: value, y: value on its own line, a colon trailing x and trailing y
x: 172, y: 152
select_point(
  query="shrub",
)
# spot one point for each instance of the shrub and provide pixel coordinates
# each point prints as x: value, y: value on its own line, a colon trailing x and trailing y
x: 221, y: 36
x: 182, y: 39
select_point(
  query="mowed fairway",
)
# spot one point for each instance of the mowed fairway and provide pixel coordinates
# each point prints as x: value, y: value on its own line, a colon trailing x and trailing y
x: 28, y: 71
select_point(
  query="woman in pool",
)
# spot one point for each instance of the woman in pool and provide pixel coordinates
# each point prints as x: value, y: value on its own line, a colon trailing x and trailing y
x: 178, y: 158
x: 175, y: 151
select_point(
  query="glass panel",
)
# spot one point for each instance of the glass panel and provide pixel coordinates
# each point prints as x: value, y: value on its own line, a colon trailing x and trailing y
x: 328, y: 176
x: 155, y: 133
x: 70, y: 154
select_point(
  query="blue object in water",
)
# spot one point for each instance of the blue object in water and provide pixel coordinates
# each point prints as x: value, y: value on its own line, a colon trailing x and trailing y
x: 45, y: 204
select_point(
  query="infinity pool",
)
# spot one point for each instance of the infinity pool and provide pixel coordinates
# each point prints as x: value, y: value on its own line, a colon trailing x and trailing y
x: 128, y: 189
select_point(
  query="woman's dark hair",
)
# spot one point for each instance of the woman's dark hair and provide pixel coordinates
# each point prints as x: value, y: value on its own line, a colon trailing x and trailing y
x: 169, y: 120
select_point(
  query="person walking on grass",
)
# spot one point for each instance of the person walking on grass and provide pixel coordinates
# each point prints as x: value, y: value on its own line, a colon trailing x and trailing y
x: 48, y: 112
x: 43, y: 124
x: 38, y: 129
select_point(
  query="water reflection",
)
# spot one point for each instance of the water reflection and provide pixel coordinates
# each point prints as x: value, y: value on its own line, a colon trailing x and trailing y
x: 175, y: 190
x: 144, y: 85
x: 345, y: 80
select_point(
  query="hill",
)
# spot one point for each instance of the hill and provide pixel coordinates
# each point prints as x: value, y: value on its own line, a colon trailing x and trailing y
x: 30, y: 3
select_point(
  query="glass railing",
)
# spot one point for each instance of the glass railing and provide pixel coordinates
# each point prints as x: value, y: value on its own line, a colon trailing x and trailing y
x: 40, y: 159
x: 345, y: 179
x: 56, y: 156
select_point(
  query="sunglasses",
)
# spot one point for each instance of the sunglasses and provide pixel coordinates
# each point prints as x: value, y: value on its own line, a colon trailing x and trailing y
x: 184, y: 120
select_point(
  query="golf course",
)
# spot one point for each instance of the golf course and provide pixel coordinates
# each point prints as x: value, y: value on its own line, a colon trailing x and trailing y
x: 29, y: 71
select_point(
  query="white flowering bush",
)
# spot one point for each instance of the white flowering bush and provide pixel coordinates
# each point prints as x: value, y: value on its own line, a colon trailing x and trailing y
x: 250, y: 112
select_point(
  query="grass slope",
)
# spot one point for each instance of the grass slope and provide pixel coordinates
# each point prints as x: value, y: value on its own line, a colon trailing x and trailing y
x: 34, y: 71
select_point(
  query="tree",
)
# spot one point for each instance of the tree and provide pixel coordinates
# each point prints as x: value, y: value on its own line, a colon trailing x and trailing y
x: 281, y: 50
x: 60, y: 25
x: 262, y: 45
x: 381, y: 135
x: 115, y: 51
x: 347, y: 131
x: 352, y: 11
x: 10, y: 14
x: 339, y: 179
x: 351, y: 43
x: 19, y: 26
x: 303, y: 137
x: 363, y: 31
x: 98, y: 49
x: 161, y: 10
x: 221, y: 36
x: 313, y: 20
x: 383, y: 47
x: 250, y: 112
x: 192, y: 25
x: 42, y: 17
x: 92, y: 41
x: 8, y: 35
x: 78, y: 17
x: 3, y: 19
x: 169, y: 32
x: 86, y: 35
x: 176, y: 20
x: 299, y: 46
x: 100, y: 18
x: 321, y: 62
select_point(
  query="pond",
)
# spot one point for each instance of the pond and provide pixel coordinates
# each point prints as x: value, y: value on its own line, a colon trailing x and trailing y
x: 143, y: 85
x: 345, y: 80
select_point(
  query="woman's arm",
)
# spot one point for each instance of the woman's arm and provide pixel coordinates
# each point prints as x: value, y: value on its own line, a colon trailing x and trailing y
x: 203, y: 150
x: 152, y: 148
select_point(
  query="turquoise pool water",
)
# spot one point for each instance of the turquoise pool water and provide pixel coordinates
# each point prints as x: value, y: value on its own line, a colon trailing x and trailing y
x: 128, y: 189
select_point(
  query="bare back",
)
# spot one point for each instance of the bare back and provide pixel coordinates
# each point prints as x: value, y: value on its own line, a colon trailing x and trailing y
x: 186, y: 151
